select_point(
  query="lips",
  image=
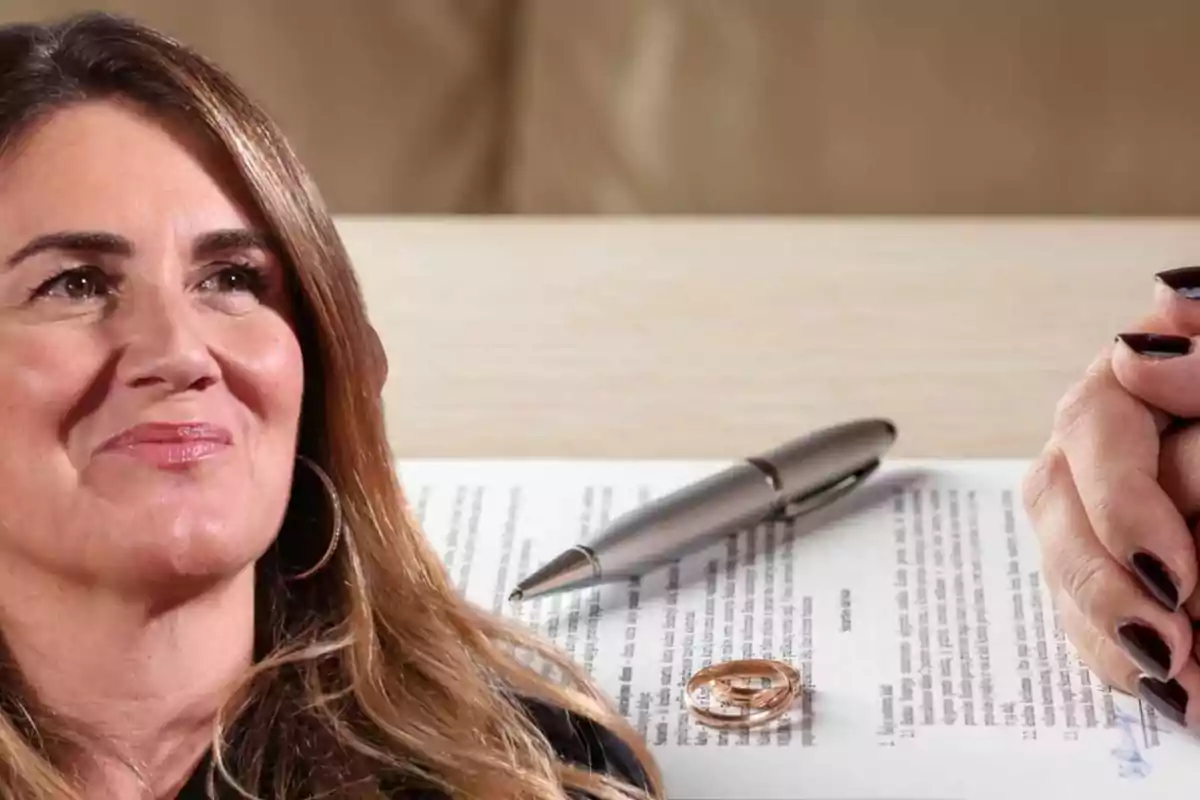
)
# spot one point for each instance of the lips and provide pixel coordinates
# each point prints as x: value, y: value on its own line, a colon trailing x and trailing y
x: 169, y: 433
x: 170, y: 444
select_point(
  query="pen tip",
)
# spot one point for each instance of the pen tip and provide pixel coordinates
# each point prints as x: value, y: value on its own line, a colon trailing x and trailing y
x: 515, y: 596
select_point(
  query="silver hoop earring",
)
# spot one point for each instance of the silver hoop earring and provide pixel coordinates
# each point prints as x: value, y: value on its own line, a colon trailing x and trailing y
x: 335, y: 510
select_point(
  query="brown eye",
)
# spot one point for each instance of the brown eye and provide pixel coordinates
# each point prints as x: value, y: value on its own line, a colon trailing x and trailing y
x: 80, y: 283
x: 235, y: 278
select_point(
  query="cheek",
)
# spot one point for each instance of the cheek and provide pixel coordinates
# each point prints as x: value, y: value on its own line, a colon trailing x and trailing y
x: 266, y: 368
x: 41, y: 379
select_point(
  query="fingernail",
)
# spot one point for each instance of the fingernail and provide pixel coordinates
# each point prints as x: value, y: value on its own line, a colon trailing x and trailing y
x: 1147, y: 648
x: 1167, y: 697
x: 1184, y: 281
x: 1156, y: 345
x: 1156, y: 579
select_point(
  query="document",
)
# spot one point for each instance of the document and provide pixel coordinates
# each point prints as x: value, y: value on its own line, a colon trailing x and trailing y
x: 914, y: 609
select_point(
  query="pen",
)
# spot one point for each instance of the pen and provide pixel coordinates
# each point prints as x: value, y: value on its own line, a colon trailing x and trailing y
x: 783, y: 483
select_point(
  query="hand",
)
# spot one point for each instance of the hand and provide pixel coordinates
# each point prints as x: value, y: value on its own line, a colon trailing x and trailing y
x: 1109, y: 497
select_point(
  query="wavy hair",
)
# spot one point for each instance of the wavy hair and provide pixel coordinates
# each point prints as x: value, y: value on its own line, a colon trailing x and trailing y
x: 376, y: 665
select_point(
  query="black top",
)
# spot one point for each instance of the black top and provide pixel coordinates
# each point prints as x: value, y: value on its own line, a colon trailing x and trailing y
x: 576, y: 740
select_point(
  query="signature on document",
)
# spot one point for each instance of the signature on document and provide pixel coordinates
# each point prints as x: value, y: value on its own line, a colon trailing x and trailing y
x: 1130, y: 761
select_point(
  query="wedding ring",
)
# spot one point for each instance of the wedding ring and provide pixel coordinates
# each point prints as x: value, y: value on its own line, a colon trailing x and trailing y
x: 724, y: 691
x: 755, y: 718
x: 762, y: 703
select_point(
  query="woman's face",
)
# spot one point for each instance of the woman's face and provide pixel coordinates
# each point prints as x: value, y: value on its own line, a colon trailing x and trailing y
x: 150, y: 380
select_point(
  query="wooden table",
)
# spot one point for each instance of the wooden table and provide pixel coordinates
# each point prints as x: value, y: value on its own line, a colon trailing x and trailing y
x: 717, y: 337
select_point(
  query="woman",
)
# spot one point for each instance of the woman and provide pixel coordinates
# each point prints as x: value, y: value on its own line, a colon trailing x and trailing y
x: 208, y: 584
x: 1115, y: 497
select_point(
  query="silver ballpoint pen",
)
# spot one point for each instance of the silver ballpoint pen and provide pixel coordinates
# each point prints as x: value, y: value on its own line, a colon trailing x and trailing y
x: 783, y: 483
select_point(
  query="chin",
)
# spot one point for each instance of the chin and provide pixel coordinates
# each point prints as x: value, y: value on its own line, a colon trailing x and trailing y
x: 192, y: 549
x: 197, y: 560
x: 186, y: 567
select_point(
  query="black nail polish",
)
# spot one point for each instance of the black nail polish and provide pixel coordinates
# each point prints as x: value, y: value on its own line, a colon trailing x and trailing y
x: 1146, y: 648
x: 1184, y: 281
x: 1156, y: 579
x: 1168, y: 698
x: 1156, y: 345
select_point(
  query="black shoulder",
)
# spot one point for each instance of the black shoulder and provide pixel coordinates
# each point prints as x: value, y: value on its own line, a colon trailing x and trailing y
x: 581, y: 741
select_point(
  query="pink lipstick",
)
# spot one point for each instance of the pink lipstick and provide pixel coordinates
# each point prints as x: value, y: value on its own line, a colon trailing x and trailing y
x: 170, y: 444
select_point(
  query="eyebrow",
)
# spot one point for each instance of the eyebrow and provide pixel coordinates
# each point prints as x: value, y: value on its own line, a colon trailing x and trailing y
x: 226, y: 241
x: 73, y: 242
x: 99, y: 242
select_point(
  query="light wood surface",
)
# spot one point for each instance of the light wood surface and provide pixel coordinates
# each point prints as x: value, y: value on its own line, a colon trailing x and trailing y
x: 716, y: 337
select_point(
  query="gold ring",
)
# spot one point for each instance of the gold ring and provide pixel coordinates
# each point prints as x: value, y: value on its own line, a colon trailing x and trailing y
x: 723, y: 691
x: 765, y: 703
x: 759, y: 716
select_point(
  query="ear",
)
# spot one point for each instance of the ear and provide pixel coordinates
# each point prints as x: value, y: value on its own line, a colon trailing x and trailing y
x: 378, y: 359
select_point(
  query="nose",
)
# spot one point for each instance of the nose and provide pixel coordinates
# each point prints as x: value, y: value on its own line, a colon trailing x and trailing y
x: 163, y: 347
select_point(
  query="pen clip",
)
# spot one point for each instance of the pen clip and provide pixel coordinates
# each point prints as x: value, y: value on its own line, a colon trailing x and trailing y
x: 792, y: 508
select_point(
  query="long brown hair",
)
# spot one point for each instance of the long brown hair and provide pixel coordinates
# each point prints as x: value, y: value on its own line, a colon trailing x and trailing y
x: 375, y: 665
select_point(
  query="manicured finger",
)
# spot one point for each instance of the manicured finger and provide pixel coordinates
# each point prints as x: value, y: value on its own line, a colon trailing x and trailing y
x: 1112, y: 666
x: 1177, y: 299
x: 1161, y: 370
x: 1141, y: 352
x: 1179, y: 475
x: 1178, y: 699
x: 1100, y: 654
x: 1078, y: 567
x: 1100, y: 376
x: 1111, y: 443
x: 1191, y: 609
x: 1179, y: 469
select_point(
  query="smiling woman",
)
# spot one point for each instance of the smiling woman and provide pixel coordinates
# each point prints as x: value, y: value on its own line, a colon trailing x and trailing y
x: 182, y: 342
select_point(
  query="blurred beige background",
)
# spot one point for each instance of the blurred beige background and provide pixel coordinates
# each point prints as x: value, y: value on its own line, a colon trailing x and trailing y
x: 718, y: 106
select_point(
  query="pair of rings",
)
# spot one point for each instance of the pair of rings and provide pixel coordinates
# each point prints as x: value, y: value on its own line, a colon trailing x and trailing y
x: 755, y: 705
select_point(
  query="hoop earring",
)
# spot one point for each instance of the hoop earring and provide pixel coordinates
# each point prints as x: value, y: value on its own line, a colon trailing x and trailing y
x: 335, y: 509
